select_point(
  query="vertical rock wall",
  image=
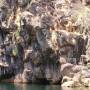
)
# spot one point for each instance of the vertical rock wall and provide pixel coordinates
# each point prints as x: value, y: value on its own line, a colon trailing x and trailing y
x: 38, y: 37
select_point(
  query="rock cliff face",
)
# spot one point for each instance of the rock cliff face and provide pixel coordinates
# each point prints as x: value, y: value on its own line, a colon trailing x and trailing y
x: 41, y: 41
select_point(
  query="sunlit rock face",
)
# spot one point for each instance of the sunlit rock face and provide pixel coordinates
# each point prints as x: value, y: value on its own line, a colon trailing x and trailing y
x: 3, y: 3
x: 86, y: 2
x: 45, y: 40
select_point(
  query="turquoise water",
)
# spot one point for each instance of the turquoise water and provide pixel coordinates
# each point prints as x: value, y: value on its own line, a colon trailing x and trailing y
x: 7, y: 86
x: 4, y: 86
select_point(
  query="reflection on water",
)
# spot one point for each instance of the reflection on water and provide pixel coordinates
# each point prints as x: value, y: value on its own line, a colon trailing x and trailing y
x: 4, y: 86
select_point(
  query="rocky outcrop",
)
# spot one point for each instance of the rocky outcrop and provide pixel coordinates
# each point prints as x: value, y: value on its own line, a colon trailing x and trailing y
x: 71, y: 84
x: 45, y: 41
x: 81, y: 78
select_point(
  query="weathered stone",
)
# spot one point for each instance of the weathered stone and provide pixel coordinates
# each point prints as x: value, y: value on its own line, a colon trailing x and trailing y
x: 66, y: 79
x: 45, y: 41
x: 86, y: 82
x: 71, y: 84
x: 66, y: 70
x: 23, y: 2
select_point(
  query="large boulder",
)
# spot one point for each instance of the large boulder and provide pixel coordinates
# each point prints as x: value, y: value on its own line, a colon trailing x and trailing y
x: 66, y: 70
x: 85, y: 82
x: 71, y: 84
